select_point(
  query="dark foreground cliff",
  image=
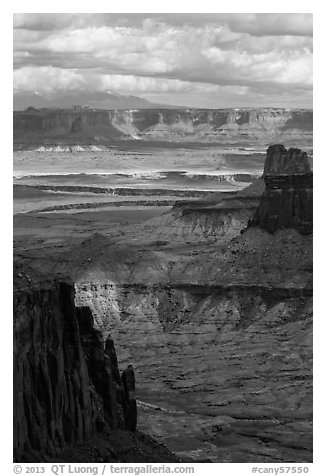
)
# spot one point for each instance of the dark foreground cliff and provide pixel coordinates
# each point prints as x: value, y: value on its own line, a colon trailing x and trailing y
x: 67, y: 392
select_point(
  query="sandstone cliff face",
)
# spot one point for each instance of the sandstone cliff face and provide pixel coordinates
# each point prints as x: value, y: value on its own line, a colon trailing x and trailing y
x: 65, y: 388
x: 288, y: 199
x: 98, y: 126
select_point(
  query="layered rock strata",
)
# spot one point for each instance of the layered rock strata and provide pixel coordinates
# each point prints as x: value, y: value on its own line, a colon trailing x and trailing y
x: 100, y: 127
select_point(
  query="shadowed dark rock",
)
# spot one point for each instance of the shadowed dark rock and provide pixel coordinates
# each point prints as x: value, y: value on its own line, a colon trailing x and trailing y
x: 280, y: 161
x: 129, y: 387
x: 65, y: 387
x: 288, y: 199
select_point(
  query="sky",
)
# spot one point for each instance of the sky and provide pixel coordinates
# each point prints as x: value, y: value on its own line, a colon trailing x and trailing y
x: 207, y: 60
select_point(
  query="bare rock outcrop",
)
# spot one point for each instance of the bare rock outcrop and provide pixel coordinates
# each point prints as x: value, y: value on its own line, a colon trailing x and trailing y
x: 66, y: 389
x: 288, y: 199
x: 280, y: 161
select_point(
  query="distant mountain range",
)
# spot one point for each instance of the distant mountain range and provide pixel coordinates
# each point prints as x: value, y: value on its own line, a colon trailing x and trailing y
x: 95, y: 100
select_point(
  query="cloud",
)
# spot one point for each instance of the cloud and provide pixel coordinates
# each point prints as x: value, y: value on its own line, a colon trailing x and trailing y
x: 276, y: 24
x: 48, y: 21
x: 164, y: 52
x: 258, y: 24
x: 294, y: 67
x: 49, y: 80
x: 157, y: 48
x: 46, y: 80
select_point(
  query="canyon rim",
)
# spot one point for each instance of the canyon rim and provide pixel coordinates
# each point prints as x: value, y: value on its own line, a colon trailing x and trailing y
x: 163, y: 230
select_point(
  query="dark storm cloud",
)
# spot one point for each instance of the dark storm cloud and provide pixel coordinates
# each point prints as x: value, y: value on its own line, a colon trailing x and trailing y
x: 172, y: 54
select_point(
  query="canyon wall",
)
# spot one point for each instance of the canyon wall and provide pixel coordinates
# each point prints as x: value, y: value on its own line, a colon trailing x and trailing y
x: 204, y: 125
